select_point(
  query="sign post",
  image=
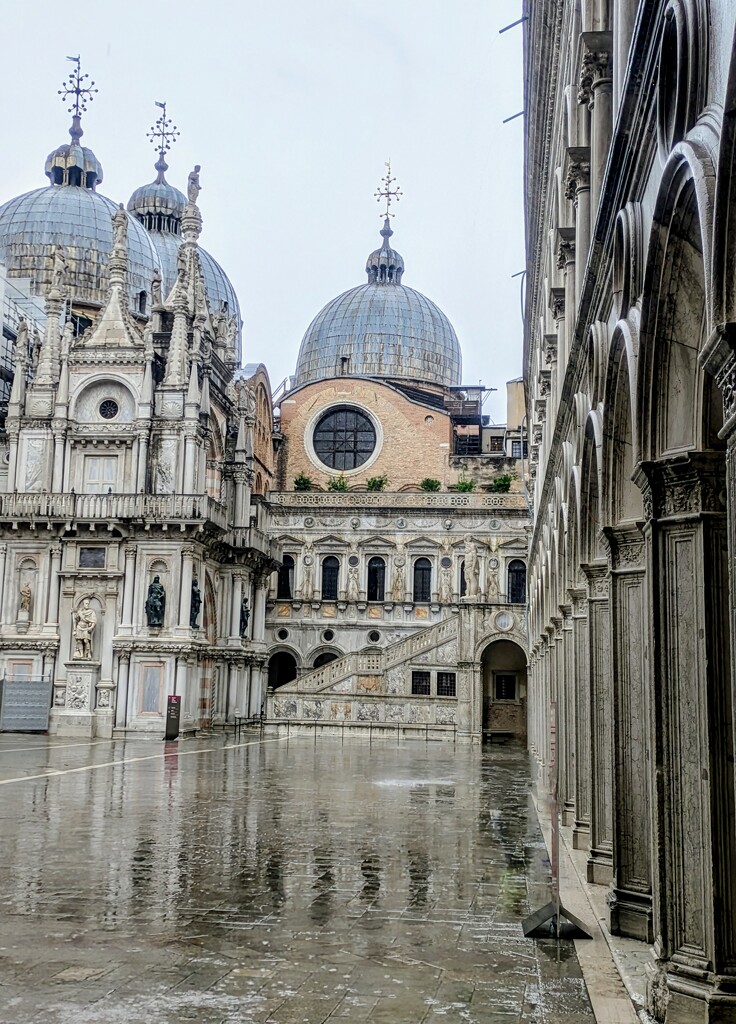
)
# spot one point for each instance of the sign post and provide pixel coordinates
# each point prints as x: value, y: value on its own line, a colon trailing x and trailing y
x: 173, y: 715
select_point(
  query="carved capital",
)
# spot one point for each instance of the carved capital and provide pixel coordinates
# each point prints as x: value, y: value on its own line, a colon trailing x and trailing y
x: 597, y: 577
x: 577, y: 179
x: 565, y: 251
x: 685, y: 485
x: 595, y: 69
x: 545, y: 383
x: 578, y: 596
x: 550, y: 348
x: 557, y: 303
x: 626, y: 546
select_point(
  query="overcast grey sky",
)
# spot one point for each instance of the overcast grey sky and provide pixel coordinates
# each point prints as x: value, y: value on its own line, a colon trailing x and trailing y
x: 292, y: 108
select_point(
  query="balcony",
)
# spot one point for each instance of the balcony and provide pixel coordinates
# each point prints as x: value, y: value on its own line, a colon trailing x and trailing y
x: 106, y: 508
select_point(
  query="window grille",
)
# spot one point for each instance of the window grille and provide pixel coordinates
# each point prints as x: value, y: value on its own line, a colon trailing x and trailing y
x: 330, y: 576
x: 505, y: 686
x: 446, y: 684
x: 422, y: 580
x: 376, y: 579
x: 516, y: 590
x: 285, y: 582
x: 420, y: 683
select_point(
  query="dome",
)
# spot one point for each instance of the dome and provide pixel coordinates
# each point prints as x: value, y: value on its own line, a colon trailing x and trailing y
x: 79, y: 219
x: 158, y: 205
x: 381, y: 329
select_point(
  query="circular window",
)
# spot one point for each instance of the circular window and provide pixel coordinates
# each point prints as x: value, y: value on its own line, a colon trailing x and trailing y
x: 446, y: 563
x: 328, y: 635
x: 344, y: 438
x: 283, y: 634
x: 374, y: 636
x: 353, y: 560
x: 109, y: 409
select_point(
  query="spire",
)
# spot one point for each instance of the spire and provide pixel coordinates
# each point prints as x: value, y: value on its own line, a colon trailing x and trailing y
x: 163, y: 135
x: 72, y: 163
x: 385, y: 265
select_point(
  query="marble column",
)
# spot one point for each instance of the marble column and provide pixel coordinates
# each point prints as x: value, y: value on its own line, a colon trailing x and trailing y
x: 52, y: 616
x: 3, y: 554
x: 236, y: 600
x: 630, y: 900
x: 142, y: 463
x: 596, y: 84
x: 581, y: 824
x: 126, y: 625
x: 558, y: 661
x: 690, y: 595
x: 57, y: 472
x: 600, y: 856
x: 577, y: 189
x: 121, y: 696
x: 259, y: 610
x: 567, y: 751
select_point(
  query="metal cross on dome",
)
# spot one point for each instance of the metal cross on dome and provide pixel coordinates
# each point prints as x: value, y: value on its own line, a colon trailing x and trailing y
x: 387, y: 192
x: 163, y: 133
x: 80, y: 87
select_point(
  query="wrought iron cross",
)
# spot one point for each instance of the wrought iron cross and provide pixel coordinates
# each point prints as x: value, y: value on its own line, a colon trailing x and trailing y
x: 387, y: 192
x: 163, y: 133
x: 80, y: 87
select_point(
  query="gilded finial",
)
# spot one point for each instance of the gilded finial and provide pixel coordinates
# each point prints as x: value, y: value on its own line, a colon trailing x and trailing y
x: 163, y: 135
x: 81, y: 90
x: 387, y: 192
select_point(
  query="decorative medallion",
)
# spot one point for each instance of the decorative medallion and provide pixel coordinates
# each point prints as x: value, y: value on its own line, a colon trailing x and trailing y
x: 309, y: 521
x: 446, y: 563
x: 447, y: 523
x: 504, y: 621
x: 493, y: 563
x: 495, y: 524
x: 399, y: 560
x: 401, y: 523
x: 355, y: 523
x: 353, y: 560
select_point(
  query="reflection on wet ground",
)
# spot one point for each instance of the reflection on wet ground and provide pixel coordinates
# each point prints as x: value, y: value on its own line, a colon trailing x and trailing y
x: 273, y: 881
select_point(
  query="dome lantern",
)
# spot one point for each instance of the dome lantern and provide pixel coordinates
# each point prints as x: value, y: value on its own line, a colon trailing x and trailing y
x: 72, y: 163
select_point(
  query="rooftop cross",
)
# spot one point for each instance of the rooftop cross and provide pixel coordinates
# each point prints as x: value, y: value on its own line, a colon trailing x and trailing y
x: 80, y: 87
x: 387, y: 192
x: 163, y: 133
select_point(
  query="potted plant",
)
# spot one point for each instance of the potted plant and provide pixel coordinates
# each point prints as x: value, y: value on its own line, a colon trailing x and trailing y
x: 465, y: 484
x: 430, y: 484
x: 337, y: 483
x: 377, y: 483
x: 502, y: 484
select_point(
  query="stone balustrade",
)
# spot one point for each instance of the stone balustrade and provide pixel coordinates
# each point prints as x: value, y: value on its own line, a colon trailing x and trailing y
x: 155, y: 508
x: 401, y: 499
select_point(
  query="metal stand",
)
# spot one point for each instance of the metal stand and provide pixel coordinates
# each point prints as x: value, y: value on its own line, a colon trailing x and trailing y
x: 553, y: 920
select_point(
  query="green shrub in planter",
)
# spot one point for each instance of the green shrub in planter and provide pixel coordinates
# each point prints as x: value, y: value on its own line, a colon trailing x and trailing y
x: 302, y: 482
x: 430, y: 484
x: 464, y: 484
x: 337, y: 483
x: 502, y: 484
x: 377, y: 483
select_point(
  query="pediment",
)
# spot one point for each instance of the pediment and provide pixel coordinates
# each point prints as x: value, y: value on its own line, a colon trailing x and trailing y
x: 377, y: 543
x: 287, y: 538
x: 422, y: 543
x: 516, y: 544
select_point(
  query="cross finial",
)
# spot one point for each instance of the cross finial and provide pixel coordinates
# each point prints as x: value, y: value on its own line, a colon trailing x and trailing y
x: 387, y: 192
x: 163, y: 134
x: 80, y: 88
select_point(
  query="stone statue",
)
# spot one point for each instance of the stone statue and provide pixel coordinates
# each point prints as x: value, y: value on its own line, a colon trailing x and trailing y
x: 120, y: 228
x: 244, y: 617
x: 446, y: 586
x: 67, y: 337
x: 156, y: 285
x: 85, y: 621
x: 398, y: 589
x: 195, y: 605
x: 25, y: 598
x: 155, y: 602
x: 493, y: 591
x: 193, y: 186
x: 353, y: 588
x: 472, y: 567
x: 35, y: 349
x: 59, y: 270
x: 181, y: 263
x: 307, y: 585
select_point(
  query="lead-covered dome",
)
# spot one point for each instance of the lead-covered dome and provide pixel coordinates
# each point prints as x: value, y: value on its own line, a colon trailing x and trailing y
x: 381, y: 329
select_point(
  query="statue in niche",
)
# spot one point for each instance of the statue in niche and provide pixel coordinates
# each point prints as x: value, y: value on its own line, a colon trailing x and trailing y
x: 493, y: 591
x: 446, y: 586
x: 181, y: 263
x: 195, y: 604
x: 120, y: 228
x: 35, y: 349
x: 155, y: 602
x: 85, y: 621
x: 59, y: 269
x: 26, y: 595
x: 353, y: 588
x: 472, y: 567
x: 67, y: 337
x: 156, y: 286
x: 399, y: 588
x: 307, y: 584
x: 244, y: 617
x: 193, y: 186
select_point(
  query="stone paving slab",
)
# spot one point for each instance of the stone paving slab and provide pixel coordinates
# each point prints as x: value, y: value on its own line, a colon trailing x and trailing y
x: 272, y: 882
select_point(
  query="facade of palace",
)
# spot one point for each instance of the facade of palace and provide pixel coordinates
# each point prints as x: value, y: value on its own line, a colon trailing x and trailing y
x: 630, y: 373
x: 400, y: 601
x: 134, y: 456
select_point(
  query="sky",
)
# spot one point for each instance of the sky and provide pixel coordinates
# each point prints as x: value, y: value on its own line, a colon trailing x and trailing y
x: 292, y: 109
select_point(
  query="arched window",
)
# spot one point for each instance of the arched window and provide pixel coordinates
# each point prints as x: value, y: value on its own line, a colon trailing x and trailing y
x: 376, y: 579
x: 516, y: 590
x: 285, y: 583
x: 324, y: 659
x: 422, y: 580
x: 330, y: 577
x: 142, y: 297
x: 463, y: 583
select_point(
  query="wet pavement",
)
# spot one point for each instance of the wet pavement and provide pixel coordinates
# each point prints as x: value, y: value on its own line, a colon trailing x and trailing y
x: 273, y: 881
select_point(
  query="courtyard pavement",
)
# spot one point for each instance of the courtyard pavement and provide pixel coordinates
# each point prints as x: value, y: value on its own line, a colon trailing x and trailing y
x: 273, y: 880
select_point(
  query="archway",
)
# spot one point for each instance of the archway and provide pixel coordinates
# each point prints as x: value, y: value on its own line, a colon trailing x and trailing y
x: 282, y: 669
x: 324, y: 658
x: 503, y: 669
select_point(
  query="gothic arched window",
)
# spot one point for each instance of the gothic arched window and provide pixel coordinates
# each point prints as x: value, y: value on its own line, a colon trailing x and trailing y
x: 330, y: 576
x: 285, y: 583
x: 422, y: 580
x: 516, y: 589
x: 376, y: 579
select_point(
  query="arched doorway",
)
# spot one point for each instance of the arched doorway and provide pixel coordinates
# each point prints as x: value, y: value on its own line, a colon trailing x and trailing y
x: 281, y: 669
x: 503, y: 668
x: 324, y: 658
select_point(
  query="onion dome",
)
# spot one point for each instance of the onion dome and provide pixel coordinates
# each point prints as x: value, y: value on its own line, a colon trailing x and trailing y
x: 72, y: 163
x: 381, y: 329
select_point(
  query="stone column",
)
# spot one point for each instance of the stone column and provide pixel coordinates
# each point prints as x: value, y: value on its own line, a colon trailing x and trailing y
x: 142, y: 463
x: 236, y: 599
x: 581, y: 824
x: 185, y: 593
x: 12, y: 458
x: 240, y: 512
x: 577, y: 189
x: 567, y: 749
x: 126, y: 625
x: 259, y: 610
x: 3, y: 553
x: 630, y: 900
x: 563, y: 308
x: 596, y: 83
x: 57, y: 473
x: 256, y: 689
x: 52, y: 616
x: 190, y: 462
x: 557, y: 666
x: 695, y: 868
x: 182, y: 675
x: 121, y: 701
x: 600, y: 857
